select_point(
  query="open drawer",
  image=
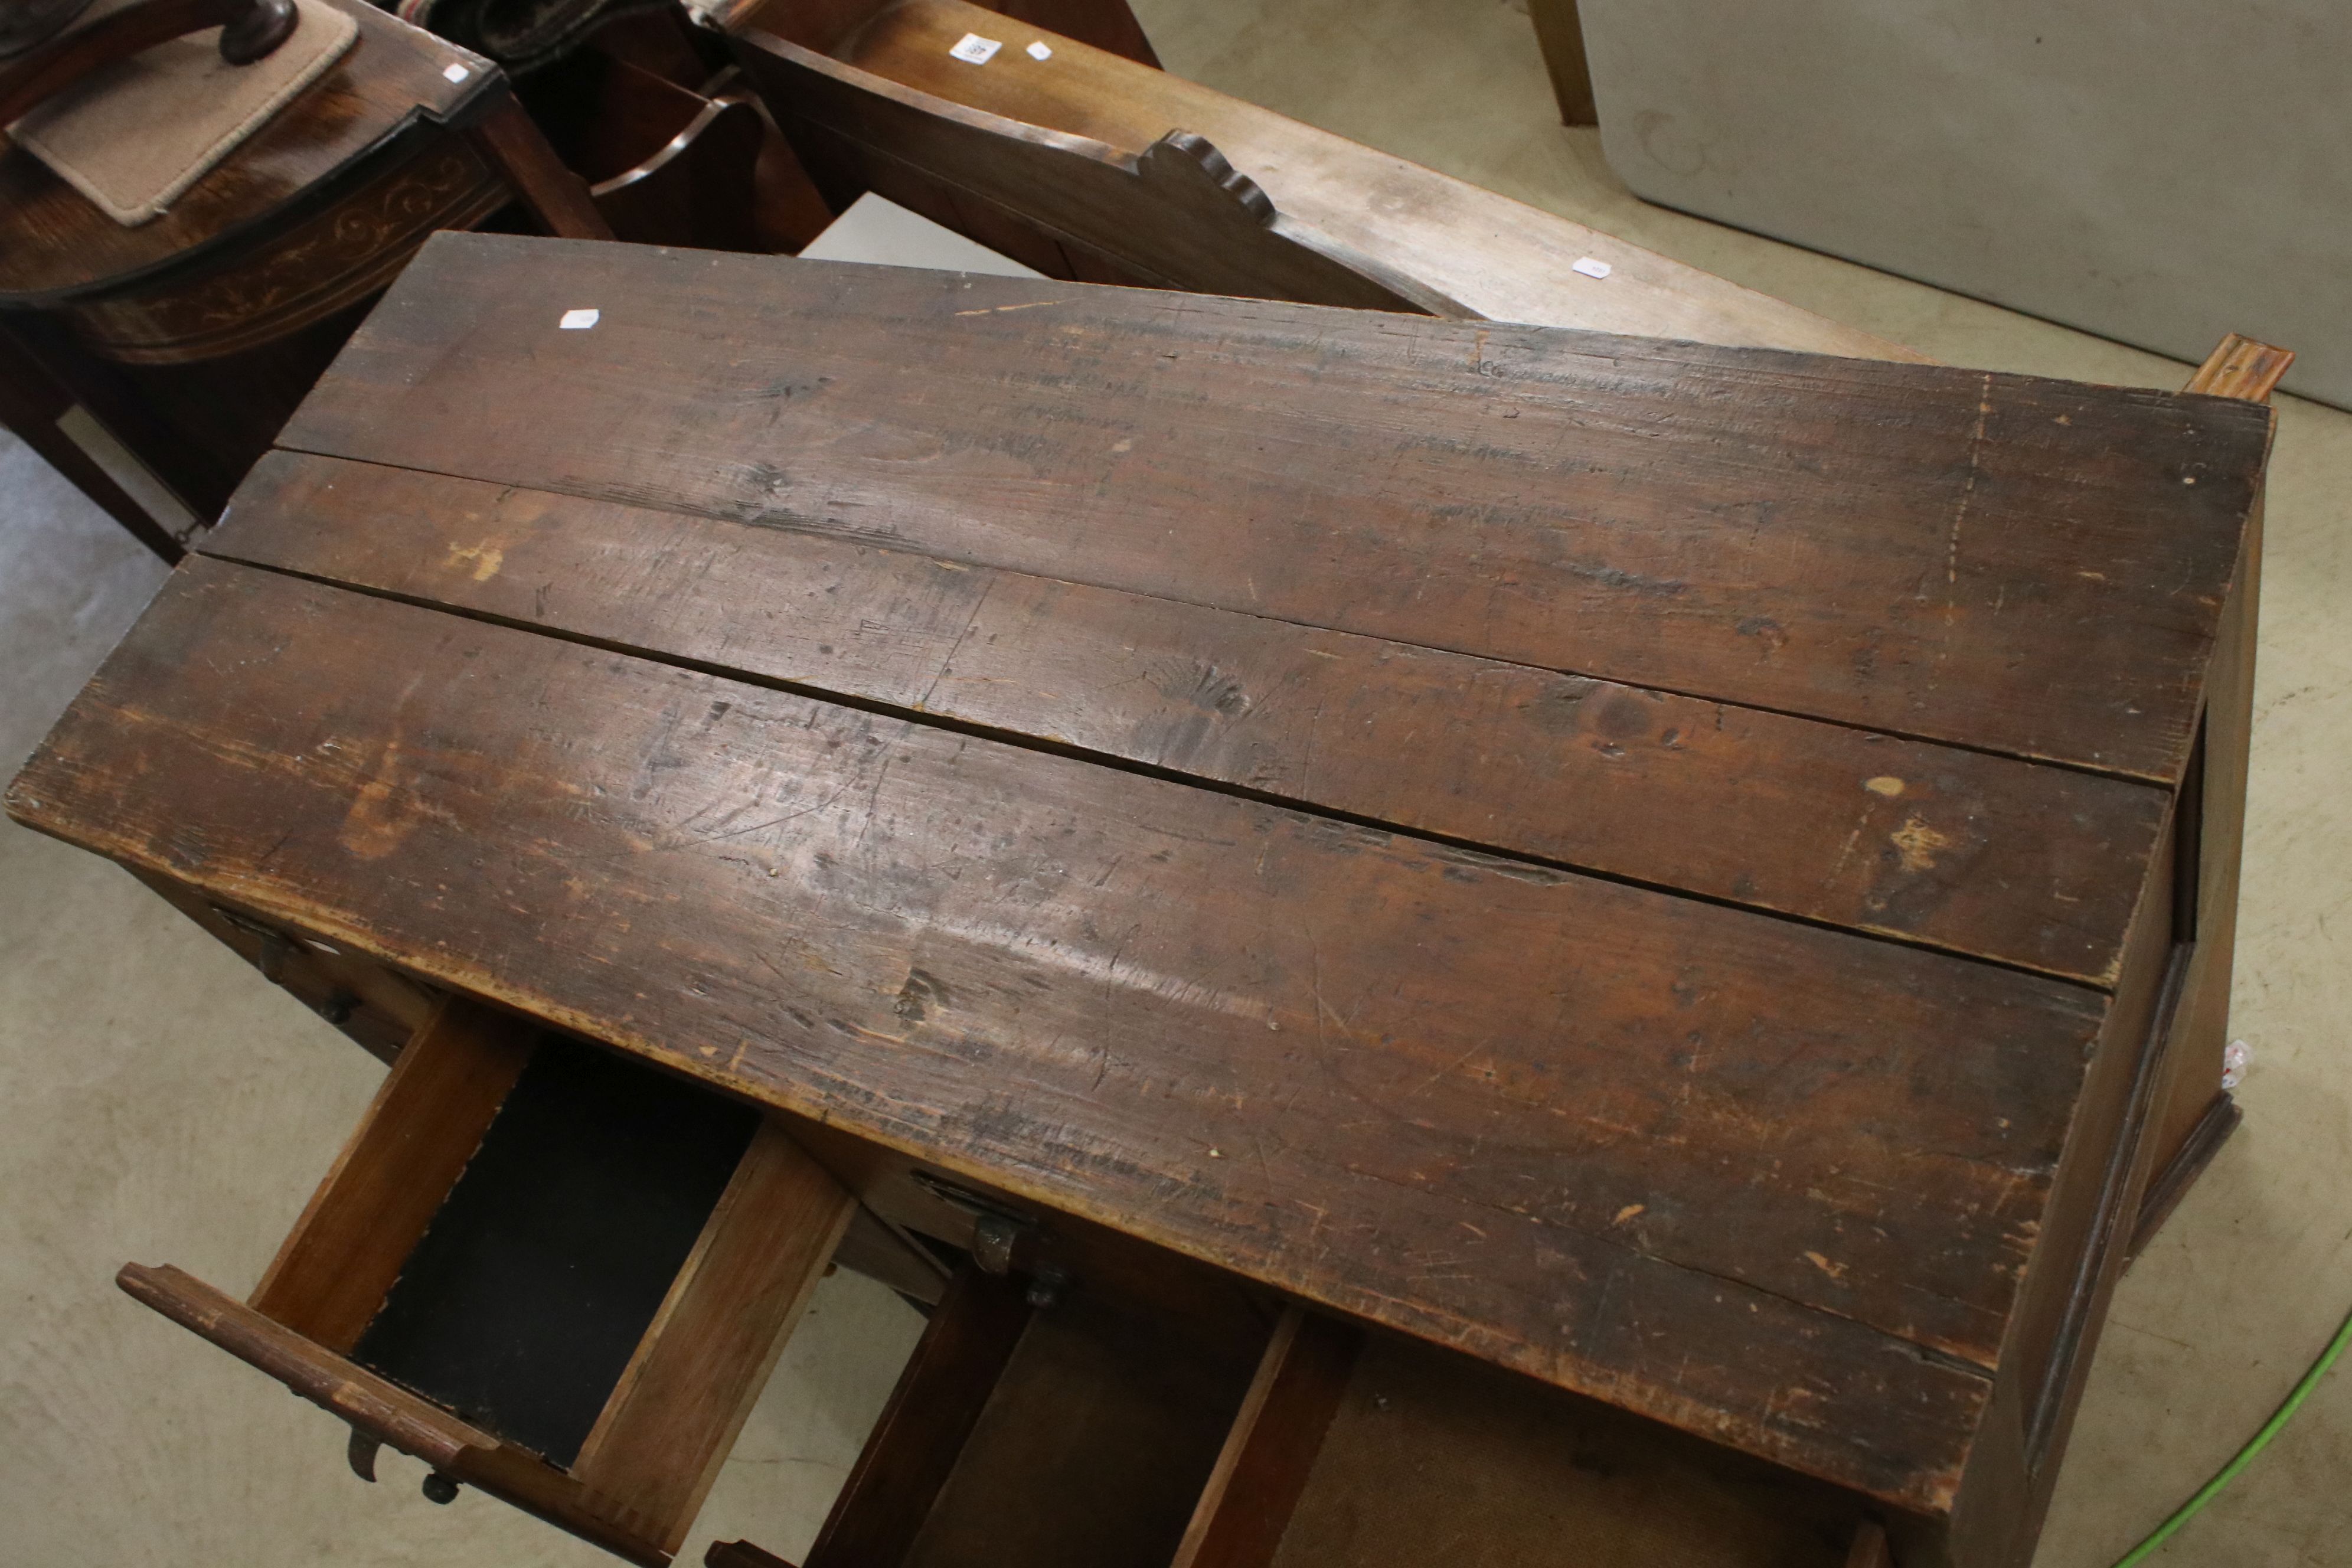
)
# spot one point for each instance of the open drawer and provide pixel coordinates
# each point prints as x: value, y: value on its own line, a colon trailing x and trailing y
x: 544, y: 1269
x: 1133, y: 1419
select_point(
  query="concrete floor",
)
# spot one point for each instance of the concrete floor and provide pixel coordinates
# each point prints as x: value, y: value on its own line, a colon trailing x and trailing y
x: 158, y: 1102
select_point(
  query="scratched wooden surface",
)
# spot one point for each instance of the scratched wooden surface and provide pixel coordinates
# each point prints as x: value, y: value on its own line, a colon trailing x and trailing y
x: 2010, y: 563
x: 1611, y: 856
x: 2031, y: 865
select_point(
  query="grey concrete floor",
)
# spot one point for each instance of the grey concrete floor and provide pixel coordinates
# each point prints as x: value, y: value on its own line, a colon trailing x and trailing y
x: 158, y: 1102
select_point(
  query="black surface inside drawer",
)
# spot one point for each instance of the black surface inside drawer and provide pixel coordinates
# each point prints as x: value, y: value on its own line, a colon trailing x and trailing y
x: 542, y: 1270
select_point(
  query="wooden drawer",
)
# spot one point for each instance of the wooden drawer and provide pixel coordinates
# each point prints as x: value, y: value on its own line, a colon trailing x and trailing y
x: 543, y: 1269
x: 1158, y: 1415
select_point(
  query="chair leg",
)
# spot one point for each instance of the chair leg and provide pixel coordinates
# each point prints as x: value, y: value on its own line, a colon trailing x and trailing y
x: 31, y: 404
x: 554, y: 194
x: 1559, y: 32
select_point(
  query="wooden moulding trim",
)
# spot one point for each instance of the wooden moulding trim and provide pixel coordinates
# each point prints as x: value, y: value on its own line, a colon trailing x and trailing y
x: 664, y: 1431
x: 2170, y: 1184
x: 1263, y: 1469
x: 331, y: 1275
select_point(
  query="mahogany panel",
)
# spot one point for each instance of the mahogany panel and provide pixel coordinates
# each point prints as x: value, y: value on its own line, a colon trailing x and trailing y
x: 2019, y: 565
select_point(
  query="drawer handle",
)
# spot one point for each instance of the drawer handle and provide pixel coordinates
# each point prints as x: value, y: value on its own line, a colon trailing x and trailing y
x: 275, y: 948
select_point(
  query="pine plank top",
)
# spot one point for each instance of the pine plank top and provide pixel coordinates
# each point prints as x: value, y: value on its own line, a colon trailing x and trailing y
x: 1609, y: 855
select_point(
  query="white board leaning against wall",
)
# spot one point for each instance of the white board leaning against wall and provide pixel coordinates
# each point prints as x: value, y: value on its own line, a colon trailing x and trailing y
x: 2160, y: 172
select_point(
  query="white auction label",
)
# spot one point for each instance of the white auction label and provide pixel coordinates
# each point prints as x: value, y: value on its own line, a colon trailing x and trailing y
x: 1038, y: 51
x: 1590, y: 266
x: 974, y: 50
x: 578, y: 320
x: 456, y: 73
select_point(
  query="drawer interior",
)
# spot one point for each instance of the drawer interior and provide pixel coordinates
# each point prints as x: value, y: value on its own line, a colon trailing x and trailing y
x: 550, y: 1270
x: 1157, y: 1414
x: 1122, y: 1404
x: 1433, y: 1458
x: 523, y: 1301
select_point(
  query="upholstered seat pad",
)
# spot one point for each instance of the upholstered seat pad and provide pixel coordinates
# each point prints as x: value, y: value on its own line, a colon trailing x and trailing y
x: 137, y: 134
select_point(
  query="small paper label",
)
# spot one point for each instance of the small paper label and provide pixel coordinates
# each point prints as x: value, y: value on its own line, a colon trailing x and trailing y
x: 455, y: 73
x: 579, y: 320
x: 1590, y: 266
x: 1038, y: 51
x: 973, y: 49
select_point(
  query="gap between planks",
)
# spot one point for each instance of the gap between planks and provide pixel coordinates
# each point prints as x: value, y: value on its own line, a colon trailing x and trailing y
x: 1502, y: 859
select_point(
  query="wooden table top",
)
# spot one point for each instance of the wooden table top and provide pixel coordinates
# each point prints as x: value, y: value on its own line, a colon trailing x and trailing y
x: 1608, y: 854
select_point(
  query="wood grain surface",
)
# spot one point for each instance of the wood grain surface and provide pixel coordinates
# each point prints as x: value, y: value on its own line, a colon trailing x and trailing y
x: 1607, y: 855
x: 1586, y: 1130
x: 2017, y: 565
x: 2022, y: 863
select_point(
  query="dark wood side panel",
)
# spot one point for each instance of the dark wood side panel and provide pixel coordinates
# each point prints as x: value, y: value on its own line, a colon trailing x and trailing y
x: 1988, y: 856
x: 2194, y: 1114
x: 1864, y: 542
x: 2216, y: 842
x: 1337, y: 1011
x: 2080, y: 1253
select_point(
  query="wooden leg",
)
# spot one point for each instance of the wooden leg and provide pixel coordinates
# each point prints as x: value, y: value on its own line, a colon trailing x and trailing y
x: 741, y: 1554
x: 1559, y: 32
x: 1869, y: 1548
x: 915, y: 1446
x: 554, y: 194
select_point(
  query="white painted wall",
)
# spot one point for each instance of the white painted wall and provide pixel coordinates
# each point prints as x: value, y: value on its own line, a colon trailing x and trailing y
x: 2157, y: 170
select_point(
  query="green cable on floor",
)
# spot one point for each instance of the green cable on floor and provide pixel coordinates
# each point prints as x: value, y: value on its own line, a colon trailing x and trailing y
x: 2260, y: 1441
